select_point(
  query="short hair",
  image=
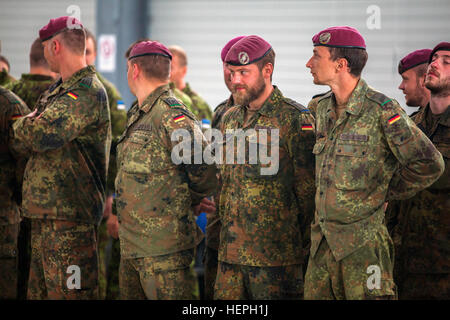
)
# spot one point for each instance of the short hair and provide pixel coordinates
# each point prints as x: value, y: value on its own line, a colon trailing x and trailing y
x: 75, y: 40
x: 356, y: 58
x: 3, y: 59
x: 90, y: 35
x: 153, y: 66
x: 180, y: 53
x: 421, y: 70
x: 37, y: 58
x: 268, y: 58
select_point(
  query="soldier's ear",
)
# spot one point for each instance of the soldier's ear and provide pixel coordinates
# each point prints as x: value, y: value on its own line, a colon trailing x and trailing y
x: 267, y: 70
x: 136, y: 71
x: 55, y: 46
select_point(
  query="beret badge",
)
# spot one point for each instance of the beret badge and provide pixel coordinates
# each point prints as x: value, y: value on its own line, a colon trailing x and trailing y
x: 324, y: 38
x: 243, y: 57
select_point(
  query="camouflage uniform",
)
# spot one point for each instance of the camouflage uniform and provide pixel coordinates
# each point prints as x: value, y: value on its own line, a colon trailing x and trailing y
x: 5, y: 78
x: 108, y: 247
x: 357, y: 171
x: 263, y: 238
x: 180, y: 95
x: 199, y: 106
x: 30, y: 86
x: 154, y: 197
x: 64, y: 185
x: 11, y: 174
x: 213, y: 222
x: 420, y: 226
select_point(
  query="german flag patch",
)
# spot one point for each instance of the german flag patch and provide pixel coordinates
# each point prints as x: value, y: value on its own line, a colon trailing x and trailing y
x: 72, y: 95
x: 16, y: 117
x: 394, y: 118
x: 179, y: 118
x: 306, y: 127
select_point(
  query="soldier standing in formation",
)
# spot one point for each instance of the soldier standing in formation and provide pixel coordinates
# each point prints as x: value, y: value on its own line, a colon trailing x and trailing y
x: 177, y: 73
x: 213, y: 219
x: 67, y: 140
x: 12, y: 166
x: 422, y: 227
x: 368, y: 152
x: 29, y: 88
x: 155, y: 197
x: 263, y: 217
x: 31, y: 85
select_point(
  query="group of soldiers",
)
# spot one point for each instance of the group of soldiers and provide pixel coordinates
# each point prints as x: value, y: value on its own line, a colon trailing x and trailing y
x: 356, y: 208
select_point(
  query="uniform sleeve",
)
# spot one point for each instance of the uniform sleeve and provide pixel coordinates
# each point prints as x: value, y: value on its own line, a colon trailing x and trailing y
x: 201, y: 177
x: 301, y: 146
x: 61, y: 122
x: 420, y: 163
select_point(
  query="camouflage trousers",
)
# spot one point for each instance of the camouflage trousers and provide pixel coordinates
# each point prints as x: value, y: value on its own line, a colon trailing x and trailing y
x: 365, y: 274
x: 166, y: 277
x: 109, y: 257
x: 210, y: 262
x: 416, y: 286
x: 64, y: 261
x: 8, y: 261
x: 239, y: 282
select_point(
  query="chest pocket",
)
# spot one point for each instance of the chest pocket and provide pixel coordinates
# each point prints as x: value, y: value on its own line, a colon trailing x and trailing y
x: 264, y: 157
x: 351, y: 165
x: 143, y: 153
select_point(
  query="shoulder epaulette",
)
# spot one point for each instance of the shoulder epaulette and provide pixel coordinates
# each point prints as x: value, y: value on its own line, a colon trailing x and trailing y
x: 53, y: 86
x: 320, y: 94
x: 173, y: 102
x: 295, y: 104
x: 378, y: 97
x: 9, y: 95
x: 324, y: 96
x: 86, y: 82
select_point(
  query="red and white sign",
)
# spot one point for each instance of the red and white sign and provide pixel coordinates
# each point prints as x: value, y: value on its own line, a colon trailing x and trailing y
x: 107, y: 53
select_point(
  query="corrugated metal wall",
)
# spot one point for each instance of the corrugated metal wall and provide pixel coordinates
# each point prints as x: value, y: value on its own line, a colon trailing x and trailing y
x: 20, y: 21
x: 203, y: 27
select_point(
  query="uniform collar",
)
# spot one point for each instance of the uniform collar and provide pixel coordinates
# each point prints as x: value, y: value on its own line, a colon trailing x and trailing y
x: 77, y: 76
x: 355, y: 103
x: 272, y: 104
x: 187, y: 89
x: 36, y: 77
x: 152, y: 97
x: 445, y: 119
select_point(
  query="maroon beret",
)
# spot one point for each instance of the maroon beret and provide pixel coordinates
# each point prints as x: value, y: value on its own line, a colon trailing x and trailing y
x: 227, y: 47
x: 248, y: 50
x: 339, y: 37
x: 441, y: 46
x: 149, y: 48
x: 414, y: 59
x: 57, y: 25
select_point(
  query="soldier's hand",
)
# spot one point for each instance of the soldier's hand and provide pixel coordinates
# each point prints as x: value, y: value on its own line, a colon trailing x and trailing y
x: 206, y: 206
x: 31, y: 114
x: 108, y: 207
x: 385, y: 206
x: 112, y: 225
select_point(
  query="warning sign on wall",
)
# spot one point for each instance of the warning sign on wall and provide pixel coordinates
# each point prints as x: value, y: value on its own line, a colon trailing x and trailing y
x: 107, y: 53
